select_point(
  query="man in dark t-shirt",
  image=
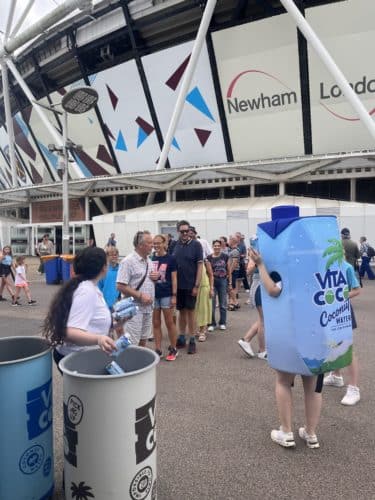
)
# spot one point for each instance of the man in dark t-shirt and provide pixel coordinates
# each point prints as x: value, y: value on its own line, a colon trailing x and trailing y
x: 189, y: 260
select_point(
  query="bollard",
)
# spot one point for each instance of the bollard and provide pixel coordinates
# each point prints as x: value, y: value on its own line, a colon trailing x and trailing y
x: 26, y: 435
x: 109, y: 425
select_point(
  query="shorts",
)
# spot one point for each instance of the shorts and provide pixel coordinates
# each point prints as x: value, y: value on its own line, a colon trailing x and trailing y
x: 162, y: 303
x: 185, y: 300
x: 258, y: 297
x: 4, y: 271
x: 139, y: 327
x: 235, y: 277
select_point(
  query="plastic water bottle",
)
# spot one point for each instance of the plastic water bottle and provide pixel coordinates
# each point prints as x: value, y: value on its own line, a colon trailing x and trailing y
x: 113, y: 368
x: 122, y: 343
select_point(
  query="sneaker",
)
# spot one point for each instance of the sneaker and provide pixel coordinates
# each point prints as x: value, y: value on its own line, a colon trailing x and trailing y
x: 211, y: 328
x: 15, y: 304
x: 246, y: 347
x: 352, y: 396
x: 2, y: 299
x: 285, y: 439
x: 334, y: 380
x: 159, y: 353
x: 237, y: 306
x: 172, y: 354
x: 32, y: 302
x: 222, y: 327
x: 311, y: 439
x: 192, y: 349
x: 262, y: 355
x: 150, y: 339
x: 181, y: 341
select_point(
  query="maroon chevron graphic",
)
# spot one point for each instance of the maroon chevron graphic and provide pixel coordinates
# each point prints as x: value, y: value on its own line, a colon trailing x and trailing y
x: 174, y: 80
x: 62, y: 91
x: 26, y: 113
x: 112, y: 96
x: 103, y: 155
x: 35, y: 174
x: 90, y: 164
x: 202, y: 135
x: 145, y: 126
x: 22, y: 141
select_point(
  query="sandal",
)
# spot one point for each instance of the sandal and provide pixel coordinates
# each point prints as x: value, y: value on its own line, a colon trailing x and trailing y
x: 231, y: 307
x: 202, y: 337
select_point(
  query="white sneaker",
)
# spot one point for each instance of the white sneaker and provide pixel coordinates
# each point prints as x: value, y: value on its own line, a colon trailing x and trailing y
x: 262, y: 355
x: 222, y: 327
x: 211, y: 328
x: 246, y: 347
x: 311, y: 439
x: 285, y: 439
x: 352, y: 396
x: 334, y: 380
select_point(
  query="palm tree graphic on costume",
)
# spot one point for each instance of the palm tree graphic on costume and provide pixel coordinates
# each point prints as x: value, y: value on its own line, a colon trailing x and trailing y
x: 335, y: 252
x: 81, y: 492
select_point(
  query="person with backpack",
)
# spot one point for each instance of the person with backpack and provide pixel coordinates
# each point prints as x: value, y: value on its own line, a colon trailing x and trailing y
x: 367, y: 252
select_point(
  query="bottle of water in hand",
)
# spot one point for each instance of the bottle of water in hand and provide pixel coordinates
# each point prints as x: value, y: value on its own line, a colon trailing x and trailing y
x: 122, y: 343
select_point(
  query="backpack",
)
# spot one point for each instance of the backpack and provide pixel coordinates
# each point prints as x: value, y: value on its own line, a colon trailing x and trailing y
x: 370, y: 252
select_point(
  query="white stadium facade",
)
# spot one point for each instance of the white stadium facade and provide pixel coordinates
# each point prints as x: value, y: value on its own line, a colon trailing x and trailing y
x: 197, y: 100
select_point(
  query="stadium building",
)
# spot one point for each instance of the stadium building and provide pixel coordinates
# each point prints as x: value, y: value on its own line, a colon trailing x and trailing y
x: 262, y: 115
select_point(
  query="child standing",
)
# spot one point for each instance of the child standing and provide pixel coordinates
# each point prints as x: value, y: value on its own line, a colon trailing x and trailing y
x: 6, y: 272
x: 21, y: 282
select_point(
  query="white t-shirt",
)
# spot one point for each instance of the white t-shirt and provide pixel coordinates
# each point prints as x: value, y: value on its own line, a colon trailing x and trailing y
x: 18, y: 280
x: 89, y: 313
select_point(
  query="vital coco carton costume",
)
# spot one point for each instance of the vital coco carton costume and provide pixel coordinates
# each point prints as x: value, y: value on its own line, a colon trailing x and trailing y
x: 309, y: 326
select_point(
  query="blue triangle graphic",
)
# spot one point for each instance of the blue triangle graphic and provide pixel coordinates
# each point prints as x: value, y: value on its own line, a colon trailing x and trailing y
x: 22, y: 124
x: 120, y: 143
x: 175, y: 144
x: 142, y: 136
x: 195, y: 99
x: 51, y: 157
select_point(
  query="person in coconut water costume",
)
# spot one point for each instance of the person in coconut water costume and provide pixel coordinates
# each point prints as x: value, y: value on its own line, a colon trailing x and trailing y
x: 285, y: 381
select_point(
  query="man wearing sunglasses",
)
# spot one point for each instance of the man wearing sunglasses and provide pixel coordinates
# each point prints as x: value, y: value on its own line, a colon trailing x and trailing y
x: 189, y: 259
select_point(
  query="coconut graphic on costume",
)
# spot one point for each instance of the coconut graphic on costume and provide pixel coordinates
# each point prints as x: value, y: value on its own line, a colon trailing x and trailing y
x: 308, y: 326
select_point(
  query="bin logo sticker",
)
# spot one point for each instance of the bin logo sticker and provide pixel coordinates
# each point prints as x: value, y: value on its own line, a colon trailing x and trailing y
x: 145, y: 431
x: 39, y: 409
x: 140, y: 487
x: 32, y: 459
x: 73, y: 413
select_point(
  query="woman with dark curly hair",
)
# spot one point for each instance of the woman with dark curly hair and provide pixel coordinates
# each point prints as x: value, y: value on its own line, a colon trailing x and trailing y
x: 78, y: 315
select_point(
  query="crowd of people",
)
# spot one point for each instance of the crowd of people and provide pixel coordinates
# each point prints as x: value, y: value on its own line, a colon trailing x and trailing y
x: 192, y: 286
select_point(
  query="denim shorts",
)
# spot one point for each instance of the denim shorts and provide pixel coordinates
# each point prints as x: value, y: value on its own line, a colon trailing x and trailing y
x: 162, y: 303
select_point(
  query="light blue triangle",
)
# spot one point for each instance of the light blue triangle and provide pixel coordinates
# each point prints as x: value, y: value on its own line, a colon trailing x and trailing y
x: 175, y: 144
x: 120, y: 144
x: 51, y: 157
x: 142, y: 136
x: 195, y: 99
x: 22, y: 124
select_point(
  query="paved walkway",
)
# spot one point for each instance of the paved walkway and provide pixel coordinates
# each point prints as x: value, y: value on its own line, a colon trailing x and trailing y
x: 216, y: 410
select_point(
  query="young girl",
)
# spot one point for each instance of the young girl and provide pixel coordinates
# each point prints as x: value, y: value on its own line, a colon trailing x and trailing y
x: 5, y: 272
x: 21, y: 282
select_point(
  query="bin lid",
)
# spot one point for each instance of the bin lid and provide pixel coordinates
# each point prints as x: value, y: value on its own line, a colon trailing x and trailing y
x: 49, y: 257
x: 67, y: 257
x: 22, y: 348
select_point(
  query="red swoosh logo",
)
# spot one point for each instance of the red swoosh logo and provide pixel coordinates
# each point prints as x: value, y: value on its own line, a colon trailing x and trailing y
x: 235, y: 80
x: 346, y: 118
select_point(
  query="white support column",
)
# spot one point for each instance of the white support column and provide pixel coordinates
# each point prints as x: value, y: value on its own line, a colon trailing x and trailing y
x: 65, y: 186
x: 87, y: 208
x: 100, y: 205
x: 30, y: 213
x: 330, y: 64
x: 353, y: 189
x: 186, y: 81
x: 168, y: 197
x: 13, y: 5
x: 221, y: 193
x: 21, y: 19
x: 252, y: 190
x: 114, y: 203
x: 9, y: 121
x: 56, y: 137
x: 281, y: 188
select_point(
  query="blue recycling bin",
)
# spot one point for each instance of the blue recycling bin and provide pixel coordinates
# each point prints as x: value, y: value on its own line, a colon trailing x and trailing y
x: 26, y: 435
x: 66, y: 262
x: 52, y: 269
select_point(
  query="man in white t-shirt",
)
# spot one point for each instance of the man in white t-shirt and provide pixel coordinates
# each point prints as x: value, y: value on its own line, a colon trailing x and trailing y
x: 135, y: 278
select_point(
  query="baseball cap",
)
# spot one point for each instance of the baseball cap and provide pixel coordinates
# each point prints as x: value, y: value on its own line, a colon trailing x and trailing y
x: 345, y: 231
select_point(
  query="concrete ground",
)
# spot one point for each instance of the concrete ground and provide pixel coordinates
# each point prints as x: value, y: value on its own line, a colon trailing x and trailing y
x: 216, y: 410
